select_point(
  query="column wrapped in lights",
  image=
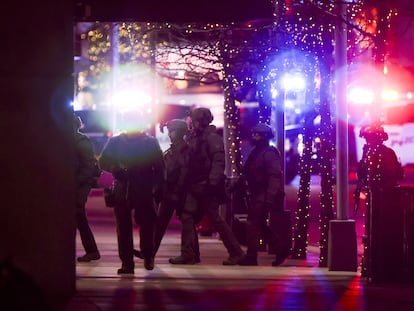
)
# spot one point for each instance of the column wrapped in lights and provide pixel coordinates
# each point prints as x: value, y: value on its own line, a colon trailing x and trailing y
x: 231, y: 130
x: 300, y: 227
x: 326, y: 194
x: 327, y: 150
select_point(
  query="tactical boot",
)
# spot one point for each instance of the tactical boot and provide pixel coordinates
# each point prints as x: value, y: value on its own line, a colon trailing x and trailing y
x: 248, y: 261
x: 233, y: 260
x: 280, y: 258
x: 125, y: 270
x: 89, y: 257
x: 180, y: 260
x: 149, y: 263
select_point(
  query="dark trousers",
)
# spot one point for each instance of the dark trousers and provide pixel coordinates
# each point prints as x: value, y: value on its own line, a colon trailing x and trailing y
x: 165, y: 213
x: 256, y: 221
x: 85, y: 232
x: 208, y: 205
x: 145, y: 217
x: 190, y: 248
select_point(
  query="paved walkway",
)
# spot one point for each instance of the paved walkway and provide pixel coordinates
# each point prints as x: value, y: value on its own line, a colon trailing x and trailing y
x: 295, y: 285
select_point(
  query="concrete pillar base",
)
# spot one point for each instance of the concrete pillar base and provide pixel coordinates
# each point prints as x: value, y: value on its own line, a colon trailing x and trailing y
x: 342, y: 246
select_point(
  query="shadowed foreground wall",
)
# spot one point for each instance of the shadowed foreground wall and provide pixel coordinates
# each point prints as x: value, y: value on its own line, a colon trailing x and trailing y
x: 37, y: 229
x: 37, y: 224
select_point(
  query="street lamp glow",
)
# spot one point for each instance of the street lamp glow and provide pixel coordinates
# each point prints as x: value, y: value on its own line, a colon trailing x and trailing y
x: 293, y: 82
x: 131, y: 100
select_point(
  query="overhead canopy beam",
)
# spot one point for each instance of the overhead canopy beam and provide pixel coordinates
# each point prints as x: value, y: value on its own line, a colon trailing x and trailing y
x: 178, y: 11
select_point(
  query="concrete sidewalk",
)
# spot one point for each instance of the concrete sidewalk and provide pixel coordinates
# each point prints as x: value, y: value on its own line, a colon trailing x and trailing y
x: 295, y: 285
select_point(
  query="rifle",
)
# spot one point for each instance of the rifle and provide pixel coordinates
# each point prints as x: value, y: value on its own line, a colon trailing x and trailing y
x: 241, y: 187
x: 247, y: 196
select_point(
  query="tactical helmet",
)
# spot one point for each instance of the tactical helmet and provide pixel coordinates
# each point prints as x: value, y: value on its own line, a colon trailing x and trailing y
x: 263, y: 129
x: 202, y: 115
x: 177, y: 124
x: 374, y: 131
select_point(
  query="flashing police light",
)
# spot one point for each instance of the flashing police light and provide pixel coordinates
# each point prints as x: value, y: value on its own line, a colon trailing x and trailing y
x: 361, y: 96
x: 390, y: 95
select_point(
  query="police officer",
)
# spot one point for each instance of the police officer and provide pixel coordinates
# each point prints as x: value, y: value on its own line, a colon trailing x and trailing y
x: 263, y: 173
x: 205, y: 188
x: 378, y: 168
x: 136, y: 161
x: 176, y: 164
x: 86, y: 175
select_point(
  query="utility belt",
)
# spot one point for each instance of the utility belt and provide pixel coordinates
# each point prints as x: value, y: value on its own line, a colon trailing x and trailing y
x: 132, y: 175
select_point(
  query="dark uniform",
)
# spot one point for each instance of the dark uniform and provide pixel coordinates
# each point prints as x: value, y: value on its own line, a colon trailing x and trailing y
x: 379, y: 167
x: 176, y: 164
x: 205, y: 188
x: 86, y: 173
x: 136, y: 162
x: 263, y: 173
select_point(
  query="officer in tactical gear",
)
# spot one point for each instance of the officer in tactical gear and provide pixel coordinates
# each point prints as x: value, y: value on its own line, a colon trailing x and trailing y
x: 136, y: 161
x: 263, y: 174
x: 176, y: 164
x: 379, y: 167
x: 86, y: 173
x: 205, y: 185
